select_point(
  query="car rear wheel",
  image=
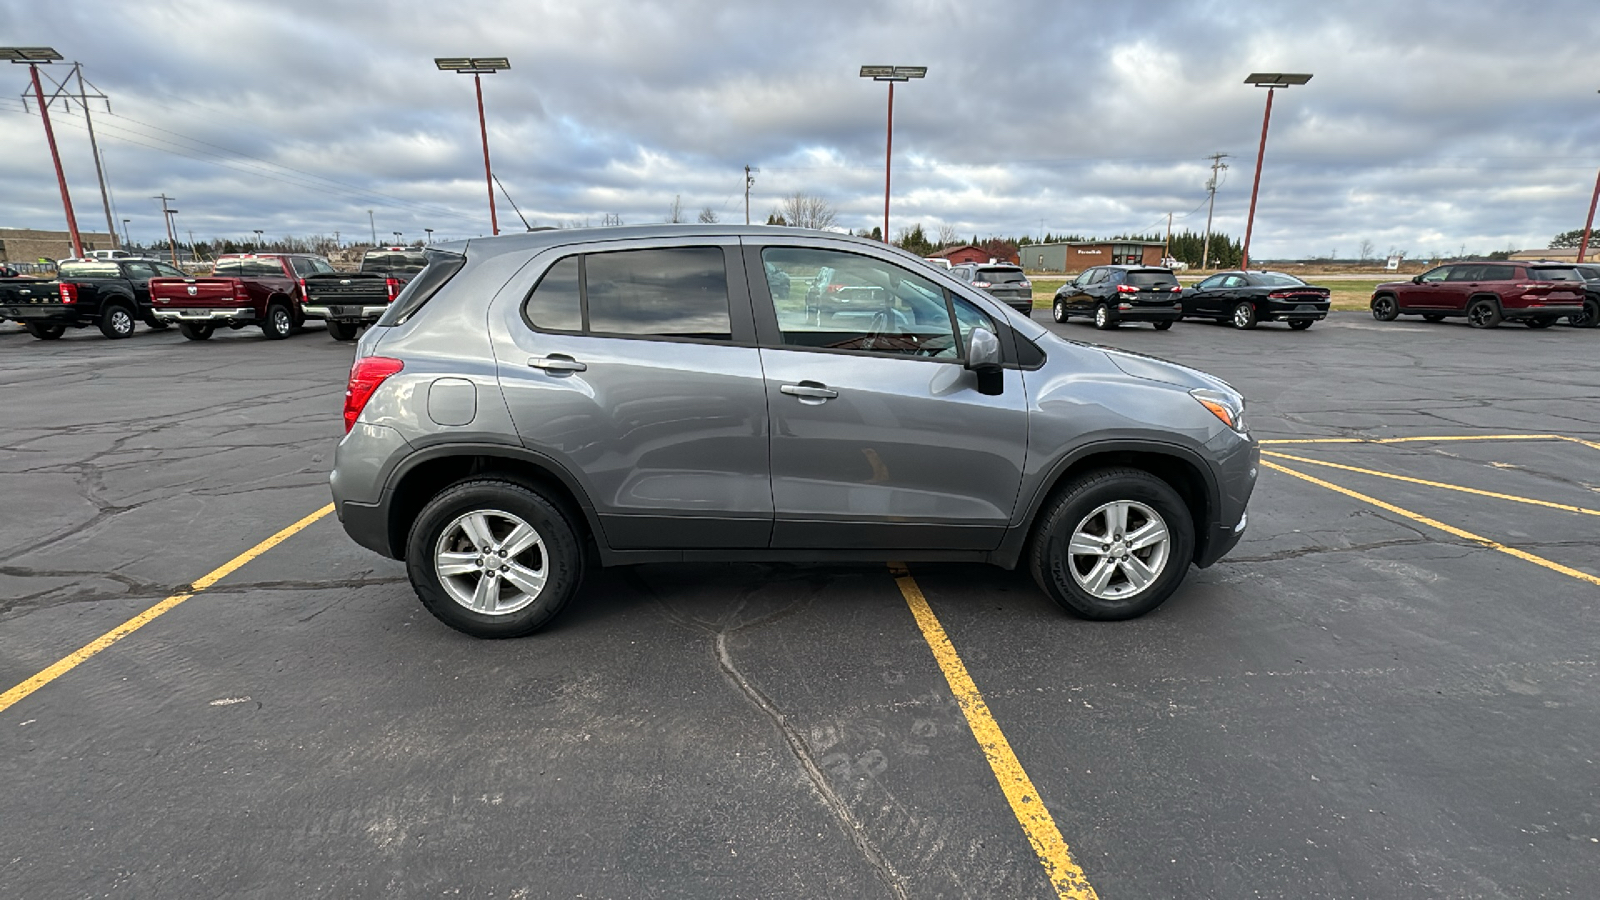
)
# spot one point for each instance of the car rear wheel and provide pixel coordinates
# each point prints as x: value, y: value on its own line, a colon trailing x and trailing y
x: 1588, y: 318
x: 343, y: 331
x: 1244, y: 315
x: 116, y: 321
x: 1539, y: 323
x: 195, y: 331
x: 1301, y: 324
x: 1058, y: 310
x: 45, y: 332
x: 278, y: 323
x: 493, y: 559
x: 1163, y: 326
x: 1114, y: 544
x: 1102, y: 318
x: 1484, y: 313
x: 1384, y: 308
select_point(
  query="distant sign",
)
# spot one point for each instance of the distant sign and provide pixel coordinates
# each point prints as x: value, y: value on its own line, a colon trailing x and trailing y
x: 1393, y: 264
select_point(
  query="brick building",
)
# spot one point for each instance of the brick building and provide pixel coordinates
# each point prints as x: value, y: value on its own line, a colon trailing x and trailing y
x: 29, y: 245
x: 967, y: 253
x: 1075, y: 256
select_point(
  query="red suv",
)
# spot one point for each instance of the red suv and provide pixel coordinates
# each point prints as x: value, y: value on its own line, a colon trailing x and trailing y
x: 1487, y: 293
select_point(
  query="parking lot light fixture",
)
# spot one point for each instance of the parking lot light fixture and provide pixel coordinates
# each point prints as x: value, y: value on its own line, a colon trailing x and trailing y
x: 478, y: 66
x: 430, y: 235
x: 33, y: 57
x: 258, y: 238
x: 1271, y: 81
x: 891, y: 74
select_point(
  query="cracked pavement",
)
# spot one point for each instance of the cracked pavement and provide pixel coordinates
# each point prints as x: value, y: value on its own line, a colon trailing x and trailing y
x: 1352, y: 704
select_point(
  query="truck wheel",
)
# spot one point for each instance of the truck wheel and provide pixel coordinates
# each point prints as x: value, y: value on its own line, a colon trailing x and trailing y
x: 1163, y: 325
x: 1483, y: 313
x: 278, y: 323
x: 343, y: 331
x: 196, y: 332
x: 1114, y: 544
x: 493, y: 559
x: 1539, y: 323
x: 1588, y: 318
x: 156, y: 324
x: 45, y: 332
x: 116, y: 321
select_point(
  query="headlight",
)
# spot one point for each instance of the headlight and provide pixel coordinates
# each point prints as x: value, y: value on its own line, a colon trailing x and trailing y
x: 1227, y: 406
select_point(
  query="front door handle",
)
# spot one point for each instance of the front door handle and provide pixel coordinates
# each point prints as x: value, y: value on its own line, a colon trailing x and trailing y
x: 809, y: 390
x: 557, y: 362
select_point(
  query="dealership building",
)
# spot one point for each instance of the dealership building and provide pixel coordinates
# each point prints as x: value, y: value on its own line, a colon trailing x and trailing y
x: 1075, y: 256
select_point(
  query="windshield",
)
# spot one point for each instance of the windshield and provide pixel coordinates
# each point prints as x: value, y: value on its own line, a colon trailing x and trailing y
x: 1152, y: 279
x: 1001, y: 276
x: 410, y: 263
x: 89, y: 270
x: 1278, y: 279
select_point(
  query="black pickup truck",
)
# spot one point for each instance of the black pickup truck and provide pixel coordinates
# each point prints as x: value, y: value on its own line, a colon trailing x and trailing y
x: 349, y: 300
x: 109, y: 294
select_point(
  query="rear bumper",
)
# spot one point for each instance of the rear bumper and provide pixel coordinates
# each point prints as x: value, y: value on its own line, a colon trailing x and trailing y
x: 344, y: 312
x: 1551, y: 311
x: 45, y: 314
x: 216, y: 314
x: 1289, y: 312
x: 1133, y: 312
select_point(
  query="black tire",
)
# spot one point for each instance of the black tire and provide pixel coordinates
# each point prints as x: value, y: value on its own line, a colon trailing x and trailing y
x: 116, y: 321
x: 1244, y: 315
x: 1483, y: 313
x: 1588, y: 318
x: 1058, y: 310
x: 194, y: 331
x: 45, y: 332
x: 343, y: 331
x: 1538, y: 323
x: 1384, y: 308
x: 1103, y: 319
x: 155, y: 324
x: 1076, y: 505
x: 278, y: 322
x: 561, y: 557
x: 1163, y: 325
x: 1432, y: 317
x: 1300, y: 324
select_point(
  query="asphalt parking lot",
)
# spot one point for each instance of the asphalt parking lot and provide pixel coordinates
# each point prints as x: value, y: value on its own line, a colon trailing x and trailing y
x: 1386, y: 691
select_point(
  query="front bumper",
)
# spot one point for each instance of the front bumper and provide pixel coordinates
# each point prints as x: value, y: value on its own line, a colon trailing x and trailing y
x: 344, y: 312
x: 215, y: 314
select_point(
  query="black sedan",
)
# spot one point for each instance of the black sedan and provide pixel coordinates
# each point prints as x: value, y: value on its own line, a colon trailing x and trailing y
x: 1247, y: 298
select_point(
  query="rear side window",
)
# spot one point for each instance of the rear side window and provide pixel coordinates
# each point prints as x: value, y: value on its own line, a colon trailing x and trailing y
x: 1152, y: 279
x: 1498, y: 273
x: 675, y: 292
x: 441, y: 268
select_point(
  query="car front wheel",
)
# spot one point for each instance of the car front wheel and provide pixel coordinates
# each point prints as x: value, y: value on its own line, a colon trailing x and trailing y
x: 1058, y: 310
x: 1384, y: 308
x: 1114, y: 544
x: 493, y: 559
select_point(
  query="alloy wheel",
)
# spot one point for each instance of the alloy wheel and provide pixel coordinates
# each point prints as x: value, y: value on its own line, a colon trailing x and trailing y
x: 491, y: 562
x: 1118, y: 550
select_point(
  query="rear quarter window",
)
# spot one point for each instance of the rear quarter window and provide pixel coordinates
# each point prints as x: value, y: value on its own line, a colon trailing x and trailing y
x: 441, y: 268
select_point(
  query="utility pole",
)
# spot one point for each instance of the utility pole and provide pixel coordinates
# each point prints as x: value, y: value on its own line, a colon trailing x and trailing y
x: 749, y: 182
x: 1166, y: 249
x: 374, y: 223
x: 99, y: 169
x: 1217, y: 165
x: 166, y: 216
x: 33, y: 57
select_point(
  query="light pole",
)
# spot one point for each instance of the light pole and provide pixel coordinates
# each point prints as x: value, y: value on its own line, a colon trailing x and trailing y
x: 125, y: 241
x: 1588, y: 225
x: 890, y: 74
x: 32, y: 57
x: 258, y: 239
x: 478, y: 67
x: 397, y: 237
x: 430, y: 235
x: 1271, y: 81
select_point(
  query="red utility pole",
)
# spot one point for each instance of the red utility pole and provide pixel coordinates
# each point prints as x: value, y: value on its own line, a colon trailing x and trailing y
x: 1588, y: 226
x: 488, y: 174
x: 1250, y: 222
x: 61, y: 176
x: 888, y: 157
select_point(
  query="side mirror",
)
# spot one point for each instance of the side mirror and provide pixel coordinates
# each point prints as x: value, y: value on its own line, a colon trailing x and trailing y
x: 1416, y: 279
x: 984, y: 360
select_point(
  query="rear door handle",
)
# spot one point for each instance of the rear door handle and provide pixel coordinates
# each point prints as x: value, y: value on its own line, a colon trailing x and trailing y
x: 809, y: 390
x: 558, y: 363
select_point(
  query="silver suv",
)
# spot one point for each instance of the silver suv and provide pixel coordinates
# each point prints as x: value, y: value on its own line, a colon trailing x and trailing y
x: 534, y: 404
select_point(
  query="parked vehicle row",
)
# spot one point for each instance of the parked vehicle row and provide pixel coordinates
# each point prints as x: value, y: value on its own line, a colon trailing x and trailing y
x: 109, y: 294
x: 1537, y: 294
x: 1113, y: 295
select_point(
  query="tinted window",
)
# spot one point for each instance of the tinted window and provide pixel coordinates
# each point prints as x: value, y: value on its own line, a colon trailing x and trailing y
x: 141, y: 271
x: 1152, y: 279
x: 418, y: 291
x: 302, y: 266
x: 1439, y: 274
x: 676, y: 292
x: 1498, y: 273
x: 851, y: 302
x: 1464, y: 273
x: 391, y: 261
x: 1001, y: 276
x: 555, y: 302
x: 1214, y: 281
x: 89, y: 270
x: 240, y: 267
x: 1234, y: 281
x: 167, y: 271
x: 1278, y: 279
x: 1555, y: 274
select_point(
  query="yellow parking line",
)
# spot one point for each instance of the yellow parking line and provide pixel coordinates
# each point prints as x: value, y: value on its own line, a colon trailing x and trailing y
x: 73, y: 659
x: 1430, y: 439
x: 1435, y: 523
x: 1065, y: 876
x: 1437, y: 484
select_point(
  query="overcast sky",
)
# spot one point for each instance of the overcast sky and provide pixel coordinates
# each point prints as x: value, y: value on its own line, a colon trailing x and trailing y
x: 1428, y: 126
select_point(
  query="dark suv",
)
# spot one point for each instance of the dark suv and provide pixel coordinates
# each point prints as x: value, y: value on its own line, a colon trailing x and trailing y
x: 532, y: 404
x: 1112, y: 295
x: 1487, y: 293
x: 1590, y: 317
x: 1002, y: 280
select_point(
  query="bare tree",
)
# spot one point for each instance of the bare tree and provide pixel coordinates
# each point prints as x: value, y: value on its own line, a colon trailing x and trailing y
x: 708, y: 216
x: 948, y: 236
x: 1364, y: 253
x: 803, y: 210
x: 675, y: 211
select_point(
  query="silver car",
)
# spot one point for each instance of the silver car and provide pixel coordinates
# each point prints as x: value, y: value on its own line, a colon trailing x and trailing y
x: 533, y: 404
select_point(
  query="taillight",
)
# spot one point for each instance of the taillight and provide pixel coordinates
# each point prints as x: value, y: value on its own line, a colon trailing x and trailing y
x: 241, y: 294
x: 1127, y: 289
x: 1177, y: 289
x: 302, y: 282
x: 1278, y: 295
x: 69, y: 292
x: 982, y: 284
x: 393, y: 286
x: 365, y: 376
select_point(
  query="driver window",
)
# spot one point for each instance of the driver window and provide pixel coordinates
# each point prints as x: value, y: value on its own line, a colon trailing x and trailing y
x: 841, y: 301
x: 1209, y: 283
x: 1437, y: 274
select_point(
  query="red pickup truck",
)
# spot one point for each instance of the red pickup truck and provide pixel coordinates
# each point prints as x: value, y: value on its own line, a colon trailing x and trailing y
x: 263, y: 289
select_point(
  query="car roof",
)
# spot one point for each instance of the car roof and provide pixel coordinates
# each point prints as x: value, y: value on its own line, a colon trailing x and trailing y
x: 556, y: 237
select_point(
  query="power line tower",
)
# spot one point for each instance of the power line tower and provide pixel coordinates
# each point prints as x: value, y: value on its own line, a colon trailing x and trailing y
x: 749, y: 182
x: 1217, y: 166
